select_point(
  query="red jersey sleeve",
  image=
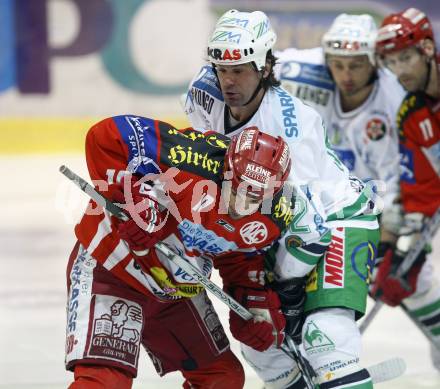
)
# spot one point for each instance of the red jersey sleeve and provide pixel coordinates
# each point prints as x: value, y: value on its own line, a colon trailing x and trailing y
x: 106, y: 152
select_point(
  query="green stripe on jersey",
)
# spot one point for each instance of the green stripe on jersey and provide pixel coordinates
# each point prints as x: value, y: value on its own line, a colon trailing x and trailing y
x: 355, y: 210
x: 427, y: 310
x: 304, y: 256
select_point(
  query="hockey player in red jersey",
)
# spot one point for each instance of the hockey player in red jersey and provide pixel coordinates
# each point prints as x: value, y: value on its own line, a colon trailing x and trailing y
x: 123, y: 293
x: 405, y: 44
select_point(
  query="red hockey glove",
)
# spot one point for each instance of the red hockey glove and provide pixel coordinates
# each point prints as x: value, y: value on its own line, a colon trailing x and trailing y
x: 392, y: 289
x: 267, y: 327
x: 143, y: 230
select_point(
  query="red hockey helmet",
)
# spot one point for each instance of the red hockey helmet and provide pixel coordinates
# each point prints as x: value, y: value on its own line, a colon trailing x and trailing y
x: 258, y: 159
x: 403, y: 30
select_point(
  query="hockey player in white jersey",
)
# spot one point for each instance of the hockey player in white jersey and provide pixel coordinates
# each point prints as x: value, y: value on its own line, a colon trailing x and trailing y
x: 357, y: 101
x: 238, y: 89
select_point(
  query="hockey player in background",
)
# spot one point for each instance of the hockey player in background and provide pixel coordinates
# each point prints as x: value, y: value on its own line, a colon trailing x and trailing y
x: 358, y: 103
x: 406, y: 46
x: 238, y: 89
x: 123, y: 293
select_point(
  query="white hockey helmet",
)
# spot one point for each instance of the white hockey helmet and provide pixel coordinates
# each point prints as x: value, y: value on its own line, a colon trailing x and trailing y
x: 241, y: 37
x: 351, y: 35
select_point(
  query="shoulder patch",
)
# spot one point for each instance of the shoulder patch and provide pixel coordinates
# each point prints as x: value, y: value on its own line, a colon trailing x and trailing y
x: 376, y: 129
x: 193, y: 151
x: 282, y: 207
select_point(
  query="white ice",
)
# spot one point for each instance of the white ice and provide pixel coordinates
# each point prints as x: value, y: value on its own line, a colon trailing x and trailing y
x: 39, y: 209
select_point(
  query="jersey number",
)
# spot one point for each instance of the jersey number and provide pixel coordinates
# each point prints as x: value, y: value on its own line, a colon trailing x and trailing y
x: 426, y: 127
x: 300, y: 211
x: 111, y: 176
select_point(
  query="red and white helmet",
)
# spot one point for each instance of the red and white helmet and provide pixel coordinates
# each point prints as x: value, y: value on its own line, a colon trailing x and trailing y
x: 403, y: 30
x: 258, y: 159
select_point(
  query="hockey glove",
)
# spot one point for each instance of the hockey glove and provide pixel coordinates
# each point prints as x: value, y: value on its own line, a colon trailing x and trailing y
x: 292, y: 297
x: 387, y: 286
x: 267, y: 326
x: 143, y: 230
x: 392, y: 289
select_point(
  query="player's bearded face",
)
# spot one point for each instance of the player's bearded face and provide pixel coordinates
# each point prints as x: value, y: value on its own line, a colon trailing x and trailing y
x: 351, y: 74
x: 242, y: 204
x: 410, y: 67
x: 238, y: 83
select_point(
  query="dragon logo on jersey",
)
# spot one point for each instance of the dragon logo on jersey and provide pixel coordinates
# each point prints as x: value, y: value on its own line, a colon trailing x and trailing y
x: 253, y: 232
x: 376, y: 129
x: 116, y: 331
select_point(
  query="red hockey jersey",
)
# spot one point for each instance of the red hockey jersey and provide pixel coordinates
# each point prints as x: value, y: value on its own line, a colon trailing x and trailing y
x: 418, y: 121
x: 198, y: 226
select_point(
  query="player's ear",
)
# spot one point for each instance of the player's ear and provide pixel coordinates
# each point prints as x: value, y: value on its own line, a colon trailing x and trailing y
x: 428, y: 47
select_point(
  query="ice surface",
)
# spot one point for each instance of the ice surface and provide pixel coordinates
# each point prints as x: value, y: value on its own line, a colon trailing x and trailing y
x: 39, y: 208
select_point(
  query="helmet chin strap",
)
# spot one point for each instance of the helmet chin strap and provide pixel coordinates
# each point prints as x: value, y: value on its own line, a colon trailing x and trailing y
x: 257, y: 89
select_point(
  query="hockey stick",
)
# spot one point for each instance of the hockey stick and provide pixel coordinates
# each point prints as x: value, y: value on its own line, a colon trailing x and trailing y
x: 387, y: 370
x: 380, y: 372
x: 428, y: 231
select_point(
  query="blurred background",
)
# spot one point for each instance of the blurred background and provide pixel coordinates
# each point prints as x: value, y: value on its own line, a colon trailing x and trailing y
x: 65, y: 64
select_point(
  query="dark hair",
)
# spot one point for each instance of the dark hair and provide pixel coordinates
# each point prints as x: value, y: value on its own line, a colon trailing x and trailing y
x: 271, y: 81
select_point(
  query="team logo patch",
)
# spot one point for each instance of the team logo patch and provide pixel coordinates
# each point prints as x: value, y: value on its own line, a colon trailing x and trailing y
x: 293, y: 241
x: 117, y: 328
x: 316, y: 341
x: 253, y: 232
x: 376, y: 129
